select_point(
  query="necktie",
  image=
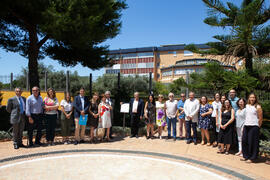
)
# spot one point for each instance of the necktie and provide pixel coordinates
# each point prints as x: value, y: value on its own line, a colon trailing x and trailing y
x: 21, y: 106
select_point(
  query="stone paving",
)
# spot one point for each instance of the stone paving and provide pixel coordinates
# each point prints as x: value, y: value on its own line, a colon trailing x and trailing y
x: 112, y: 167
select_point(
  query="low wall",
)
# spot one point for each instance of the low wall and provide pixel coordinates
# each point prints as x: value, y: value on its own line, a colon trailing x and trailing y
x: 8, y: 94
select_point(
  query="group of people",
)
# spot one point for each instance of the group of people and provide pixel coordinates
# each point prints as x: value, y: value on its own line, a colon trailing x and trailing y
x: 225, y: 117
x: 36, y: 110
x: 229, y: 119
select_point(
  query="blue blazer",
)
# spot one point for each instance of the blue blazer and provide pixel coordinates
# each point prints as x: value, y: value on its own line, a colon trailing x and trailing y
x: 77, y: 104
x: 140, y: 109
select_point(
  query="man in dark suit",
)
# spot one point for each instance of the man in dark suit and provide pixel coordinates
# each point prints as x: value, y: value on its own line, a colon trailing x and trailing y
x: 16, y: 108
x: 136, y: 110
x: 81, y: 105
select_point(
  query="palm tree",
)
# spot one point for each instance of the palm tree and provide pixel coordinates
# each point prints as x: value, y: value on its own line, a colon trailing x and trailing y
x: 250, y: 34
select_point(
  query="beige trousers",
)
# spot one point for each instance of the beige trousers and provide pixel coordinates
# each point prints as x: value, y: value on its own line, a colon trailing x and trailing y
x: 77, y: 130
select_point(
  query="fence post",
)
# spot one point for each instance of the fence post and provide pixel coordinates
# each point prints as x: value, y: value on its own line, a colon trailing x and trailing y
x: 90, y: 85
x: 67, y: 82
x: 118, y: 83
x: 187, y: 81
x: 11, y: 81
x: 150, y: 82
x: 45, y: 85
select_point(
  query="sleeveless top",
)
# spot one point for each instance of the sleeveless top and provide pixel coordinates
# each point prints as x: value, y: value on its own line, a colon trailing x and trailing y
x: 93, y: 108
x: 151, y: 111
x: 240, y: 117
x: 225, y: 116
x: 251, y: 116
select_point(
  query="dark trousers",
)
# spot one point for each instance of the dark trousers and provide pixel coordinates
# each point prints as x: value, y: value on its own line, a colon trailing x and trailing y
x: 17, y: 131
x: 37, y: 118
x: 250, y: 142
x: 135, y: 120
x: 193, y: 125
x: 214, y: 130
x: 171, y: 121
x: 50, y: 126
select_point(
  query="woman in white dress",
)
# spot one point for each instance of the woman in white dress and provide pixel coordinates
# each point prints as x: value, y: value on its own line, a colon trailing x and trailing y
x: 160, y: 115
x: 215, y: 118
x: 105, y: 115
x: 240, y: 120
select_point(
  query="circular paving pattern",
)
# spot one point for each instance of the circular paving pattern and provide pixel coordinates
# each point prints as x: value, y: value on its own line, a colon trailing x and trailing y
x: 103, y: 166
x: 109, y: 164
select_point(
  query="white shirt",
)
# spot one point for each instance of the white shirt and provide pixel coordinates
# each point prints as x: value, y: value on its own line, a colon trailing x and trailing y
x: 67, y: 105
x: 135, y: 106
x: 251, y: 116
x: 108, y: 101
x: 216, y: 107
x: 240, y: 117
x: 171, y: 108
x: 82, y: 101
x: 191, y: 108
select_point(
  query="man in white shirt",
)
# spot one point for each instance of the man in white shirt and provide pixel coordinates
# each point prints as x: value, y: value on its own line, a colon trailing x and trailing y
x: 171, y: 112
x: 136, y: 111
x: 191, y: 109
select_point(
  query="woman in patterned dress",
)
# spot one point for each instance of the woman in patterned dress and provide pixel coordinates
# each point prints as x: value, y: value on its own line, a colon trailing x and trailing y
x: 205, y: 119
x: 105, y: 115
x: 150, y: 115
x: 160, y: 115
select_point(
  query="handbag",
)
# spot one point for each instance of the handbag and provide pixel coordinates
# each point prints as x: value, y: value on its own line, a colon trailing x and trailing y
x: 83, y: 120
x: 100, y: 131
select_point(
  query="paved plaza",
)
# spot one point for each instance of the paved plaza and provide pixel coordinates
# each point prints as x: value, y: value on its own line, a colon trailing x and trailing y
x: 125, y: 158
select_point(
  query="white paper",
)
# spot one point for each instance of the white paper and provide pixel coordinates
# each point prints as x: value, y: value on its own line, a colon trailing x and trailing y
x: 124, y: 108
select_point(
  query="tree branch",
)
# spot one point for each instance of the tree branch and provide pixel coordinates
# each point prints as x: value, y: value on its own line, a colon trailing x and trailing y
x: 42, y: 41
x: 220, y: 9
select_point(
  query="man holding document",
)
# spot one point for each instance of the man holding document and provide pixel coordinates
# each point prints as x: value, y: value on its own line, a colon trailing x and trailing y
x: 81, y: 105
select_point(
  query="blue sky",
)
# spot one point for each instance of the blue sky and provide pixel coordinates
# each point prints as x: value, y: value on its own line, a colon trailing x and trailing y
x: 144, y: 23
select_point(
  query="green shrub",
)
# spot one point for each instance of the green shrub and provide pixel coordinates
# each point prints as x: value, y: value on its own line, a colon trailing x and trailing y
x: 266, y: 109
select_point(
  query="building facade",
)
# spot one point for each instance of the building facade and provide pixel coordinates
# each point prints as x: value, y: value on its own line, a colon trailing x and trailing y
x: 167, y: 62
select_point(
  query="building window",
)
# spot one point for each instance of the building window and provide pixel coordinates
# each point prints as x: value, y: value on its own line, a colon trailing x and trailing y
x: 188, y: 53
x: 145, y: 54
x: 128, y: 66
x: 167, y: 73
x: 129, y: 56
x: 174, y: 53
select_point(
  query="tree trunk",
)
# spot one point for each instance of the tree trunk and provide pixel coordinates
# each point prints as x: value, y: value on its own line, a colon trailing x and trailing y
x: 249, y: 64
x: 33, y: 52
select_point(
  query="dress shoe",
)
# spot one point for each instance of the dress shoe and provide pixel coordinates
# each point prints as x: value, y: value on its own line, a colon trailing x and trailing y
x: 16, y: 146
x: 30, y: 145
x: 188, y: 142
x: 137, y: 136
x: 82, y: 141
x: 169, y: 137
x: 195, y: 142
x: 22, y: 145
x: 39, y: 144
x: 76, y: 143
x: 174, y: 139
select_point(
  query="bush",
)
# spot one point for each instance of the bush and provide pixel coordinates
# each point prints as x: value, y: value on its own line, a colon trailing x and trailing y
x: 4, y: 122
x: 266, y: 109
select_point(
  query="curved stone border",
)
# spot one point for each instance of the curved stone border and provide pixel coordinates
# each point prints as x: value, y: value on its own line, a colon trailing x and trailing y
x: 185, y: 159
